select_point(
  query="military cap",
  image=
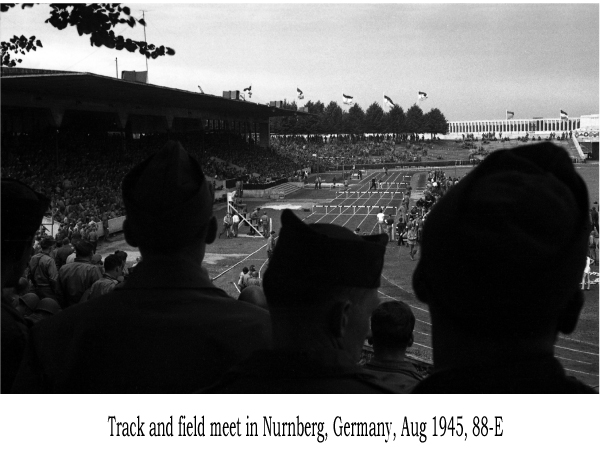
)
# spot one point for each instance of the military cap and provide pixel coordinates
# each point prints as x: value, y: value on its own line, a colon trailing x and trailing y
x: 513, y: 232
x: 167, y: 195
x: 22, y: 210
x: 323, y: 255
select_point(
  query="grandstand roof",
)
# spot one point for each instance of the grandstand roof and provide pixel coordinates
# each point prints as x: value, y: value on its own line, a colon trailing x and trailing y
x: 86, y: 86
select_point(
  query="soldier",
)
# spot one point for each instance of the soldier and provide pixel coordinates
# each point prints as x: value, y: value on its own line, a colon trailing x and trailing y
x: 168, y: 329
x: 320, y: 306
x: 42, y: 271
x: 494, y: 329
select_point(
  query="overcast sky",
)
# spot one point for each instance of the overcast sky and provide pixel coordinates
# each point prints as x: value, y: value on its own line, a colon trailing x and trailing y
x: 473, y: 60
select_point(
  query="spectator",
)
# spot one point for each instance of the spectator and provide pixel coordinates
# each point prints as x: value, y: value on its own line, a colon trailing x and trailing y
x: 264, y: 224
x: 586, y: 273
x: 411, y: 239
x: 320, y: 307
x: 113, y: 269
x: 255, y: 296
x: 42, y: 271
x: 227, y: 222
x: 271, y: 245
x: 22, y: 213
x: 494, y: 329
x: 63, y: 253
x: 253, y: 280
x: 381, y: 221
x: 243, y: 280
x: 77, y: 277
x: 45, y: 308
x: 235, y: 224
x: 168, y: 329
x: 392, y: 325
x: 389, y: 227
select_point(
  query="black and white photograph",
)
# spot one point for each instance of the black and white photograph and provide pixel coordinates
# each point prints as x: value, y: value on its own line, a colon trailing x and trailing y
x: 231, y: 225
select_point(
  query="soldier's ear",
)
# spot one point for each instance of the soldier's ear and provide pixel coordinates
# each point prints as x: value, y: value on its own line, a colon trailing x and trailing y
x: 339, y: 318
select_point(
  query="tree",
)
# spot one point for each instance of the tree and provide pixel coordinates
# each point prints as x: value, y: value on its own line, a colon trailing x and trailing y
x: 374, y: 119
x: 332, y: 118
x: 354, y: 120
x: 395, y: 120
x: 437, y: 123
x: 97, y: 20
x: 414, y: 119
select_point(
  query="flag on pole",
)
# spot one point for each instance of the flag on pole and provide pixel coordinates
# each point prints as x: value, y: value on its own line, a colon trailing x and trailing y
x: 510, y: 115
x: 249, y: 90
x: 348, y: 99
x: 389, y: 102
x: 422, y: 96
x: 300, y: 93
x: 563, y: 115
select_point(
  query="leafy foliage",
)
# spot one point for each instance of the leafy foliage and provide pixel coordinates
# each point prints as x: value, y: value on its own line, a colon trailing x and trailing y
x: 97, y: 20
x: 331, y: 119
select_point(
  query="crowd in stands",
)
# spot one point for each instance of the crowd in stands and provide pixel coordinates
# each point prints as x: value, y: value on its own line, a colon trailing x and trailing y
x: 165, y: 328
x: 82, y: 173
x: 347, y: 150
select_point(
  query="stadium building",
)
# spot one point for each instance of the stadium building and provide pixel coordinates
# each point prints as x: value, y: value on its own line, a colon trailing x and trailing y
x: 35, y: 100
x: 583, y: 129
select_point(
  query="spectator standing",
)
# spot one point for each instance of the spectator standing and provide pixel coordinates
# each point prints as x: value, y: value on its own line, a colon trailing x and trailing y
x: 389, y: 227
x: 105, y: 228
x: 271, y: 244
x: 264, y: 224
x: 227, y: 222
x: 235, y: 224
x: 113, y: 269
x: 381, y: 221
x: 42, y: 271
x: 63, y: 253
x: 77, y: 277
x: 411, y: 239
x: 93, y: 236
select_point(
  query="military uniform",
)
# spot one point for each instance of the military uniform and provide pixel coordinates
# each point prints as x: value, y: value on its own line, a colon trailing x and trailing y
x: 296, y: 372
x: 75, y: 278
x: 402, y: 376
x: 167, y: 330
x: 44, y: 276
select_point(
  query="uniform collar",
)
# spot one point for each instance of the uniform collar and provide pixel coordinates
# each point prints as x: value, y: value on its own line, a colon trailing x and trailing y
x: 171, y: 274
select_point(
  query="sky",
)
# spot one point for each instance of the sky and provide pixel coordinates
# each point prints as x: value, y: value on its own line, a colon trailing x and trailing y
x: 475, y: 61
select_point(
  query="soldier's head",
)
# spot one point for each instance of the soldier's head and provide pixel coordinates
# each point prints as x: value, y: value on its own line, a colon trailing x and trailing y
x: 314, y: 291
x: 392, y: 325
x: 504, y: 249
x: 22, y: 213
x: 168, y: 203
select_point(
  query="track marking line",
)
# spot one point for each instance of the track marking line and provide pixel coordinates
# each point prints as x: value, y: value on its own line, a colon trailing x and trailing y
x: 575, y: 350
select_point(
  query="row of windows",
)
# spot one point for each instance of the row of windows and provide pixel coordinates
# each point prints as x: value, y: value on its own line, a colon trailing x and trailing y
x: 513, y: 126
